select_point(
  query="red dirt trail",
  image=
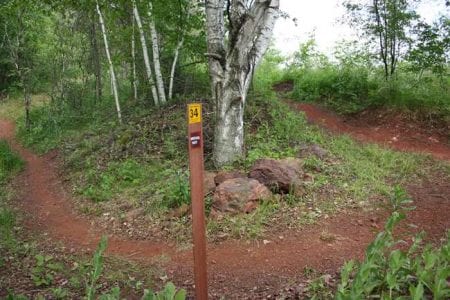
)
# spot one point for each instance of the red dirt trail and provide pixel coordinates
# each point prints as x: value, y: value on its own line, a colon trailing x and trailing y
x: 385, y: 129
x: 238, y: 269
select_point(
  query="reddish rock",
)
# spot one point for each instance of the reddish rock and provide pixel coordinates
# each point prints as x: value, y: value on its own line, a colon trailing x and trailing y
x: 224, y: 175
x: 239, y: 195
x: 209, y: 184
x: 282, y: 175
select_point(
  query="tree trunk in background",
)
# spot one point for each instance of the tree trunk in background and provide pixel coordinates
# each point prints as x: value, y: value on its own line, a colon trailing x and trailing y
x: 133, y: 59
x: 27, y: 108
x: 111, y: 66
x: 231, y: 67
x: 145, y: 54
x: 174, y: 64
x: 14, y: 49
x: 97, y: 63
x: 156, y: 61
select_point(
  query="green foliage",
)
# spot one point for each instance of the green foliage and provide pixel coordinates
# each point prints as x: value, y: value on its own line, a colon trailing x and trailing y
x: 269, y: 70
x: 97, y: 263
x: 178, y: 191
x: 385, y: 24
x: 388, y: 272
x: 308, y: 57
x: 53, y: 122
x: 169, y: 292
x: 7, y: 223
x: 345, y: 90
x: 352, y: 89
x: 44, y: 271
x: 101, y: 186
x: 10, y: 162
x: 430, y: 49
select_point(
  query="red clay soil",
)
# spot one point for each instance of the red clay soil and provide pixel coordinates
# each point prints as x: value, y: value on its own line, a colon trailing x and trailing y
x: 237, y: 269
x: 386, y: 128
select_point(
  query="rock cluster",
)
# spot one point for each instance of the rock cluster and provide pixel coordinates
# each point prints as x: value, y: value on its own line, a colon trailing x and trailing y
x: 236, y: 192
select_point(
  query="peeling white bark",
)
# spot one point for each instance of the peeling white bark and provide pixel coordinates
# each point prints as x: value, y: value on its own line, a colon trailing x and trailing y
x: 145, y: 54
x: 174, y: 64
x: 156, y: 60
x: 133, y: 58
x: 111, y: 66
x: 231, y: 65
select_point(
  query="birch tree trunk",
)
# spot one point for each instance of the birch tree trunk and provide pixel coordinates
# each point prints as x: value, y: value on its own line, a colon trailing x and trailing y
x: 174, y: 64
x: 145, y: 54
x: 111, y: 66
x: 133, y: 59
x: 232, y: 63
x: 156, y: 61
x: 21, y: 70
x: 97, y: 63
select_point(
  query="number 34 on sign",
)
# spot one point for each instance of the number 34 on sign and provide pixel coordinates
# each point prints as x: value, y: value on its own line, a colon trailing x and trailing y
x: 194, y: 113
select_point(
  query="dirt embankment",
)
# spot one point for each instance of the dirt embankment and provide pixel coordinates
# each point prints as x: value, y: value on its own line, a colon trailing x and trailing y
x: 388, y: 128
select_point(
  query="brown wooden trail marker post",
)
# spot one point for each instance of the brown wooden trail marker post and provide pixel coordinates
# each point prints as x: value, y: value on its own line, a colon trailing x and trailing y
x: 195, y: 136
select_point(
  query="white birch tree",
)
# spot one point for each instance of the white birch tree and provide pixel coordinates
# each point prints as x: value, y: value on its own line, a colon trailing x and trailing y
x: 133, y: 60
x: 234, y: 50
x: 145, y: 54
x: 156, y: 60
x: 174, y: 64
x: 111, y: 65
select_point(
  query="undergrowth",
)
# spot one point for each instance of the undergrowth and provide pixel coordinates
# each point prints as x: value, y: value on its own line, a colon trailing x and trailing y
x: 352, y: 89
x: 143, y: 164
x: 10, y: 164
x: 389, y: 271
x: 393, y: 268
x: 32, y: 270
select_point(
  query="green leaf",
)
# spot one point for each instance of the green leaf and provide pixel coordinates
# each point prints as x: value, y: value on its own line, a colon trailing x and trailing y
x: 169, y: 291
x: 416, y: 292
x: 180, y: 295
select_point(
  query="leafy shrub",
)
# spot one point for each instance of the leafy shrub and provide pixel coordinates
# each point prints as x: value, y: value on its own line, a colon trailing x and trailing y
x: 9, y: 161
x: 427, y: 95
x: 388, y: 272
x: 44, y: 270
x: 345, y: 90
x: 118, y: 175
x: 178, y: 190
x: 7, y: 223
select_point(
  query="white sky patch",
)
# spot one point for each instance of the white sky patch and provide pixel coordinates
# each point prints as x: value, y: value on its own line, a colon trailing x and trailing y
x: 323, y: 17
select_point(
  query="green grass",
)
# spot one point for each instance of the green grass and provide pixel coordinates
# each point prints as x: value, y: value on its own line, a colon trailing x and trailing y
x: 363, y: 169
x: 13, y: 108
x: 10, y: 163
x: 143, y: 164
x: 349, y: 90
x: 352, y: 174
